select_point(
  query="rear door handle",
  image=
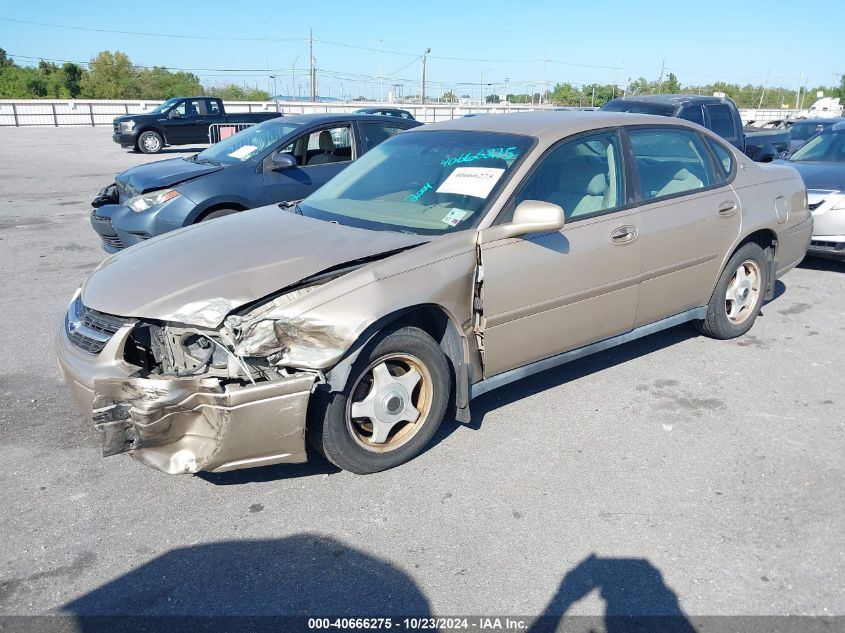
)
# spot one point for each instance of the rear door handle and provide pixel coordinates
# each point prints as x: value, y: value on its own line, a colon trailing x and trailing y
x: 624, y: 234
x: 727, y: 208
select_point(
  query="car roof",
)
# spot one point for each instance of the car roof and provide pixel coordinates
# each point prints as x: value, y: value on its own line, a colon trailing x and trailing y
x: 331, y: 117
x: 548, y: 122
x: 673, y: 99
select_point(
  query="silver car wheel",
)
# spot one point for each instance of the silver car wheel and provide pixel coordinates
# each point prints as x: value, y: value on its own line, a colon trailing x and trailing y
x: 743, y: 291
x: 151, y: 143
x: 390, y: 403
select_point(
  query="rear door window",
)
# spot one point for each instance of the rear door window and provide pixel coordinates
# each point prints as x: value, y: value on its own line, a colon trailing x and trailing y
x: 670, y: 161
x: 724, y: 159
x: 692, y: 113
x: 722, y: 122
x: 375, y: 133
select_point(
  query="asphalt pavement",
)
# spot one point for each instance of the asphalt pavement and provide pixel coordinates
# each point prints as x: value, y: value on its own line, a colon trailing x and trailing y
x: 674, y: 473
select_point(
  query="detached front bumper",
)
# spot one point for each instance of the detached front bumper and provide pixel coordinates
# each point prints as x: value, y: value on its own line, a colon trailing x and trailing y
x: 184, y: 425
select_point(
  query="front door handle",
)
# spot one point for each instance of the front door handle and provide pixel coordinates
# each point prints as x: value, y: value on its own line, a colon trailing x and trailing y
x: 624, y: 234
x: 727, y: 208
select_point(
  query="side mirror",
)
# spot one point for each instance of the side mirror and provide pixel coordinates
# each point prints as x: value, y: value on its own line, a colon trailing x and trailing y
x: 174, y: 114
x: 282, y: 161
x: 530, y: 216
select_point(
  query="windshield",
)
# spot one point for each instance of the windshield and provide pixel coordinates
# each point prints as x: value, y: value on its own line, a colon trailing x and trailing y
x: 827, y: 146
x: 165, y: 106
x: 246, y: 143
x: 427, y: 183
x: 638, y: 107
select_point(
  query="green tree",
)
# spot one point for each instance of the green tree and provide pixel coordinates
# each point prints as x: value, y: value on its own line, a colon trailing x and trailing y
x: 111, y: 76
x: 70, y: 79
x: 449, y: 97
x: 671, y: 85
x: 232, y: 92
x: 492, y: 99
x: 5, y: 60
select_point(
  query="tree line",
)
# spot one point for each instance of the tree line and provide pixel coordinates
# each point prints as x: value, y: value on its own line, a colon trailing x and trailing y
x: 114, y: 76
x: 108, y: 76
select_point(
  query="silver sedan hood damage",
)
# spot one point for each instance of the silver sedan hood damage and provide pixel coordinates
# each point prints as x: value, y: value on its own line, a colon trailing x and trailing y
x: 192, y: 275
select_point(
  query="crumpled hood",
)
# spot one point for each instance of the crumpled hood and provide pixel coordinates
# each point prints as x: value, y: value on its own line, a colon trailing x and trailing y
x: 199, y: 273
x: 820, y: 175
x: 161, y: 174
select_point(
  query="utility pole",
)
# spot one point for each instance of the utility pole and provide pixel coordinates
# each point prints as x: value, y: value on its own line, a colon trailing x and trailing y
x: 380, y: 72
x: 660, y: 79
x: 313, y: 70
x: 422, y: 81
x: 798, y: 94
x: 763, y: 94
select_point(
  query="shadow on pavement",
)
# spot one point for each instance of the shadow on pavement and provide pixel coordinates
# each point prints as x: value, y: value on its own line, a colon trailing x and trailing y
x: 636, y: 598
x: 263, y: 585
x: 824, y: 264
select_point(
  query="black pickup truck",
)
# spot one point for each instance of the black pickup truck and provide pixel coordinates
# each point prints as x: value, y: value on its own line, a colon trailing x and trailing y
x: 178, y: 121
x: 715, y: 113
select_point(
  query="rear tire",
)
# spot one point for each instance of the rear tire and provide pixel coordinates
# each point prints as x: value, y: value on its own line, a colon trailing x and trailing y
x: 738, y: 296
x: 392, y: 405
x: 150, y: 142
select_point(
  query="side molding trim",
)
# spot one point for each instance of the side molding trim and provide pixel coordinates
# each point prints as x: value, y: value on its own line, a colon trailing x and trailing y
x: 536, y: 367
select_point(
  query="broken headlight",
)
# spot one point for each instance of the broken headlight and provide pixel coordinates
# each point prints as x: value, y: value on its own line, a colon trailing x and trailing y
x: 148, y: 200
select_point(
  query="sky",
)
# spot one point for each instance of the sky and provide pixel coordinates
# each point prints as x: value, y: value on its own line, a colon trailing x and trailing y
x: 364, y: 48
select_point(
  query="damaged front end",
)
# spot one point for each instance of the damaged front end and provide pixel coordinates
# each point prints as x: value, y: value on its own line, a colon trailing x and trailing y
x: 186, y: 398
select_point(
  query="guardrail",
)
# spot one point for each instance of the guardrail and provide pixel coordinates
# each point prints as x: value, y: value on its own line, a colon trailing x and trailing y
x: 100, y: 113
x: 88, y: 113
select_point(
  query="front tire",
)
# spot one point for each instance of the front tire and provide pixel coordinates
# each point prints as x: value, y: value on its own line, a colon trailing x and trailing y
x: 738, y: 296
x: 391, y: 407
x: 150, y: 142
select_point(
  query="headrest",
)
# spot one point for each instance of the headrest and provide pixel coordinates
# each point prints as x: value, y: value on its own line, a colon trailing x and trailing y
x: 597, y: 185
x: 682, y: 174
x: 326, y: 142
x: 584, y: 175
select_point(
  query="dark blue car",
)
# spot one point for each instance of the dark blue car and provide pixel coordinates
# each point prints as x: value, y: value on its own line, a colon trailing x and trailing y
x: 275, y: 161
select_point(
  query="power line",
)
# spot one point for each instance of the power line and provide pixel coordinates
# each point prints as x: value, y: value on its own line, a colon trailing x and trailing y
x: 180, y: 36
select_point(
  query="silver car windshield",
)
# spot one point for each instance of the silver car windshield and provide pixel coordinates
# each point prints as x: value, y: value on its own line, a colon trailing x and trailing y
x: 827, y: 146
x: 426, y: 182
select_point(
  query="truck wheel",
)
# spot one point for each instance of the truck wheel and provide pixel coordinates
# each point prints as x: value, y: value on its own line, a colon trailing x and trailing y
x: 393, y: 403
x: 219, y: 213
x: 738, y: 296
x: 150, y: 142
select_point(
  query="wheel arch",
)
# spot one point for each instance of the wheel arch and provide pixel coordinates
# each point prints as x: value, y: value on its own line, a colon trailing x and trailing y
x: 435, y: 321
x: 151, y: 128
x: 766, y: 239
x: 199, y: 214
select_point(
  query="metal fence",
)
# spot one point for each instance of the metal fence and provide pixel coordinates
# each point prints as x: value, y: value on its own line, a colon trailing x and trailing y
x: 72, y: 113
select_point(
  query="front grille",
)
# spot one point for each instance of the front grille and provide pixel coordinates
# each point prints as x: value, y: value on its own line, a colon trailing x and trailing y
x: 117, y: 128
x: 90, y: 330
x: 104, y: 228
